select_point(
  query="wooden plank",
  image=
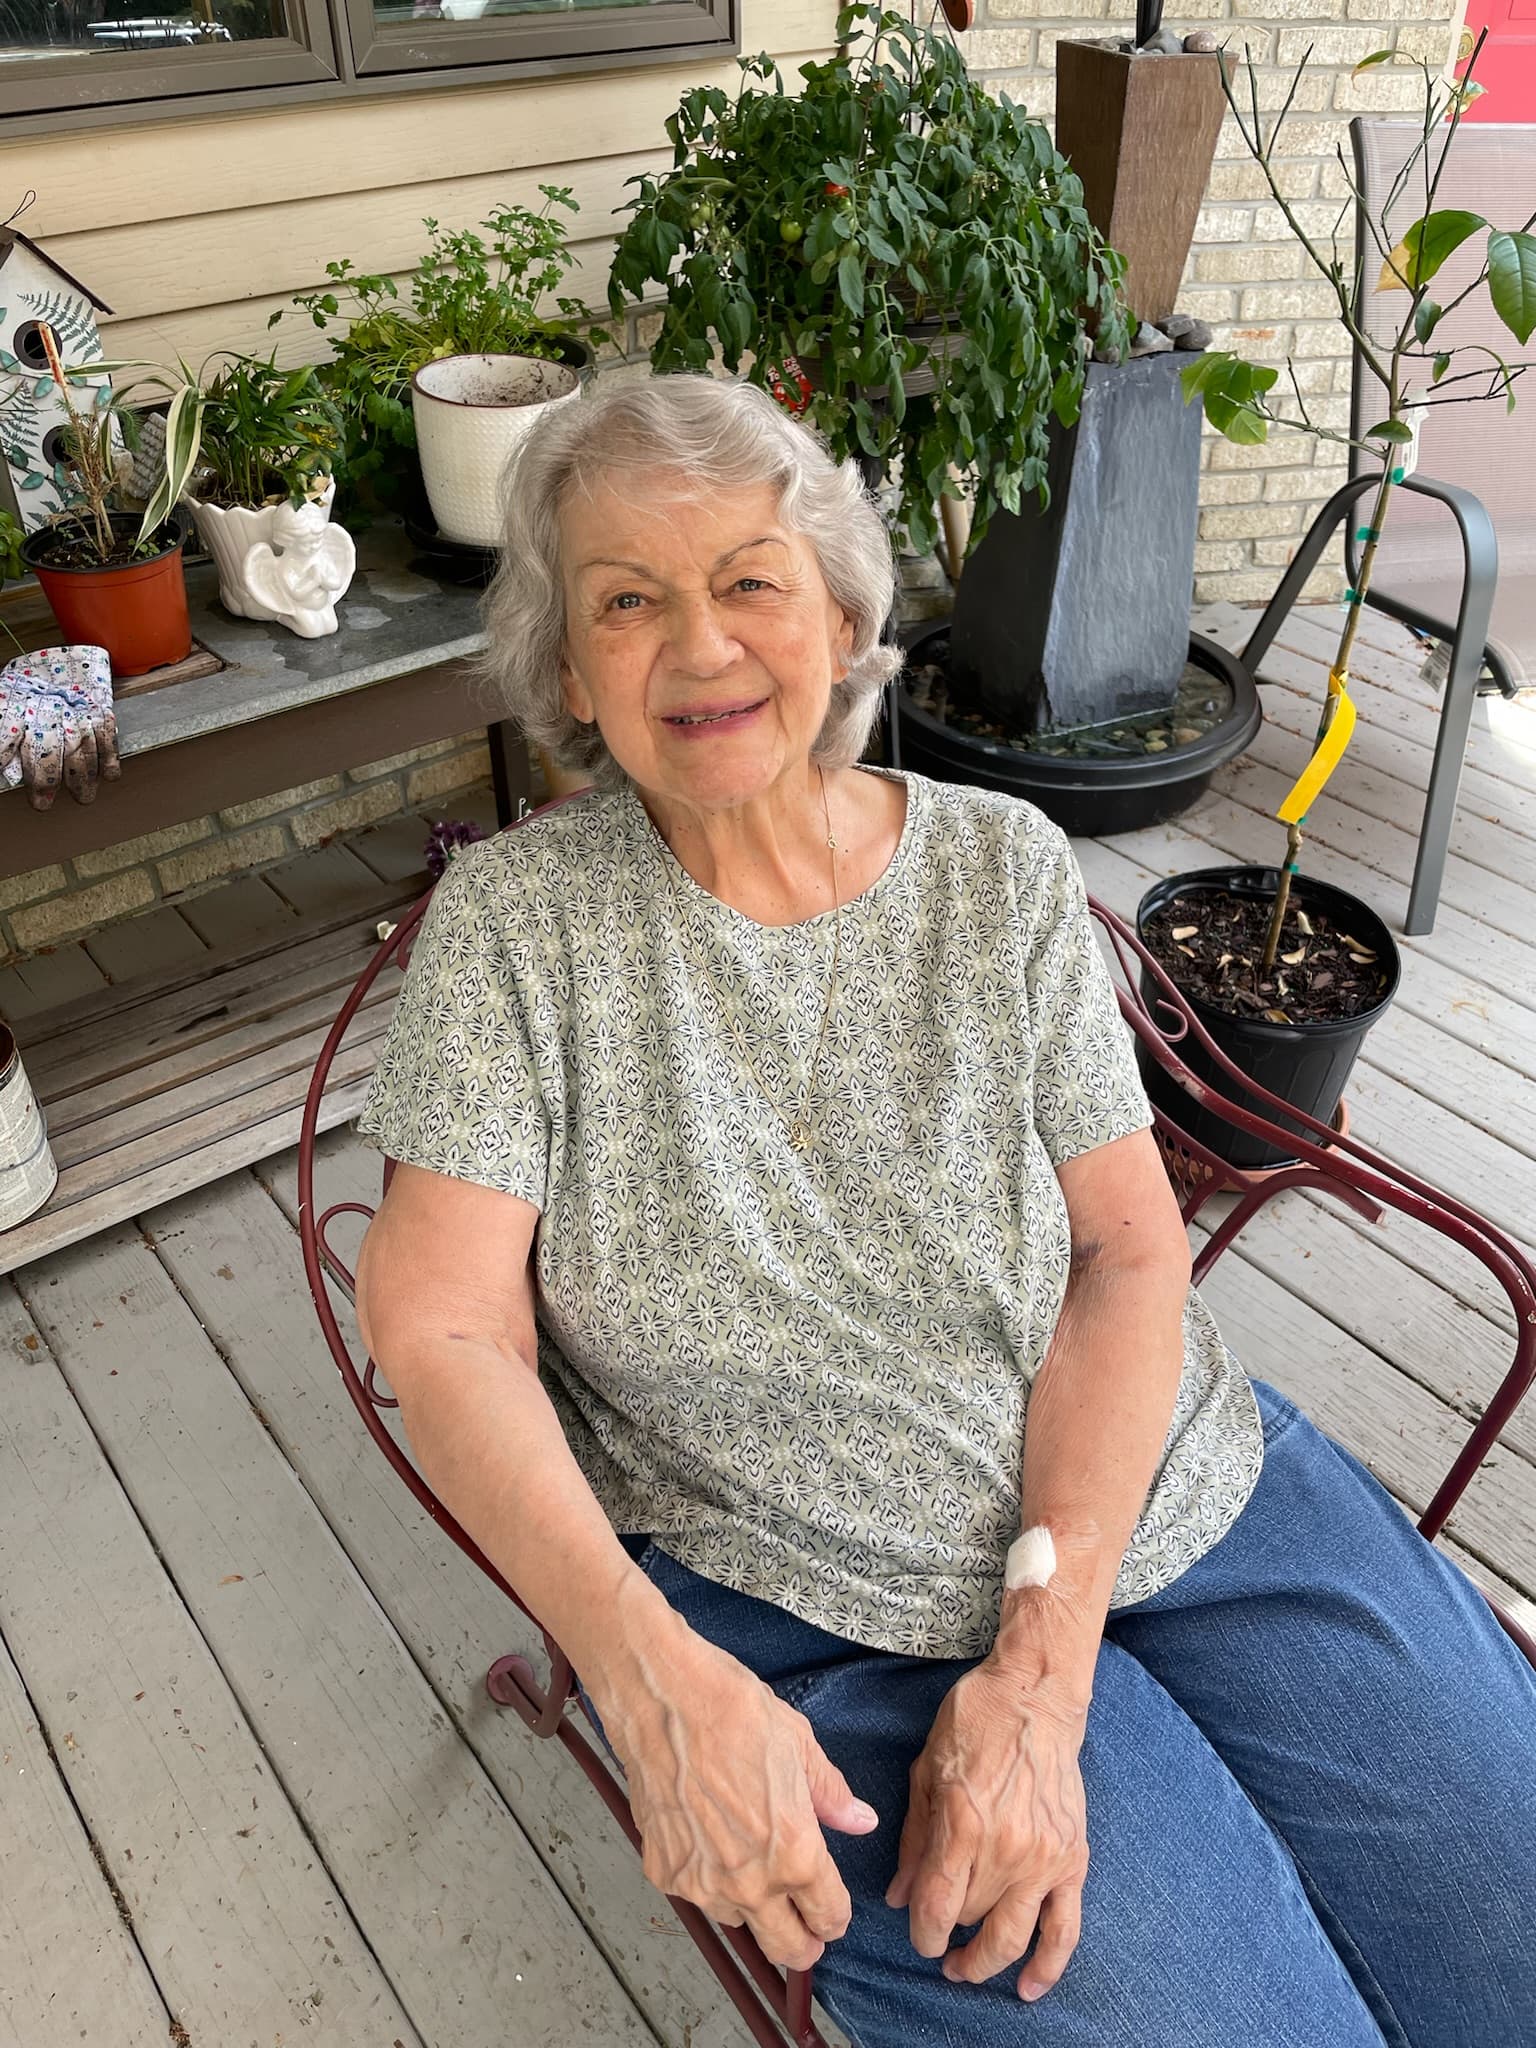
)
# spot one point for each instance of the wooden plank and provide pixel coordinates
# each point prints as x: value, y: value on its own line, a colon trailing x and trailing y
x: 395, y: 849
x: 411, y: 1831
x: 144, y: 1022
x: 331, y: 882
x: 145, y: 945
x: 57, y: 1226
x: 1406, y: 1437
x: 239, y: 914
x: 246, y: 1936
x: 223, y: 1256
x: 43, y: 981
x: 99, y: 1109
x: 299, y: 155
x: 72, y: 1972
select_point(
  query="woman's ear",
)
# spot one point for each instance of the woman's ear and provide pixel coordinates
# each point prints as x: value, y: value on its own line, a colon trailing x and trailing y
x: 578, y: 699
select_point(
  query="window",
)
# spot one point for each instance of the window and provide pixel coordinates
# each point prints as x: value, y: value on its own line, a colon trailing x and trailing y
x: 73, y: 62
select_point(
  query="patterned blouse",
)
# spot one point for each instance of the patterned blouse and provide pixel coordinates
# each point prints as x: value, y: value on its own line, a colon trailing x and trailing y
x: 805, y: 1372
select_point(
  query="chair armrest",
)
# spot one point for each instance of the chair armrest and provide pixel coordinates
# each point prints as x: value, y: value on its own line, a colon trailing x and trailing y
x: 1479, y: 542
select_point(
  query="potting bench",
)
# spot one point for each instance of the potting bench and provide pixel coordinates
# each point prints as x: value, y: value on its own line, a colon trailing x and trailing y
x: 166, y: 1080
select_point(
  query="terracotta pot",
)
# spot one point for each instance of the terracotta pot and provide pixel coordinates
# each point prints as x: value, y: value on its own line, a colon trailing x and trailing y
x: 136, y: 610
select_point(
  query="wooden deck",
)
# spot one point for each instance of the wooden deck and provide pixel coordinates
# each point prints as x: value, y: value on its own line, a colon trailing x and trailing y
x: 254, y: 1794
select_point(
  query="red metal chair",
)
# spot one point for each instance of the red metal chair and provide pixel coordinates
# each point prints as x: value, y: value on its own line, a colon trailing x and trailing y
x: 775, y: 2005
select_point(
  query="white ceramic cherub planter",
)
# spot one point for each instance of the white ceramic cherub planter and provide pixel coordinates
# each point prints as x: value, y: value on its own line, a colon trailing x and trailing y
x: 289, y: 564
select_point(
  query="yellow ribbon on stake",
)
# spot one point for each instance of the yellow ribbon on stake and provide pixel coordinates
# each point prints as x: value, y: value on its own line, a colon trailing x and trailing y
x: 1308, y: 785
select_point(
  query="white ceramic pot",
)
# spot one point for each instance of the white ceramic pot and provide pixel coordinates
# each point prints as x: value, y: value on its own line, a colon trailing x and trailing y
x: 472, y: 414
x: 283, y: 563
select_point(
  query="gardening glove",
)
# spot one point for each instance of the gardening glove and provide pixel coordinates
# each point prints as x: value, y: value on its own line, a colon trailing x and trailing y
x: 57, y: 724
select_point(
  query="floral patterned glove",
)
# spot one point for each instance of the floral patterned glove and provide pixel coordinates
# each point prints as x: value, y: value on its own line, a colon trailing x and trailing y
x: 57, y: 723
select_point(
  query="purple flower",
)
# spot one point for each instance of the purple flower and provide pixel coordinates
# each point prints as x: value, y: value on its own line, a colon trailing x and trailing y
x: 446, y: 838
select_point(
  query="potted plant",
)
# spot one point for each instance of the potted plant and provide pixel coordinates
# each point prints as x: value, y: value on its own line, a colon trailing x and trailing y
x: 250, y: 451
x: 891, y: 251
x: 113, y: 576
x: 1287, y: 974
x: 475, y: 294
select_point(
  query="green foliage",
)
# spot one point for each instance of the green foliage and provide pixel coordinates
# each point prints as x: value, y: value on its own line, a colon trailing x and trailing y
x: 1512, y: 281
x: 1230, y: 390
x: 1425, y: 247
x: 472, y: 293
x: 891, y: 195
x: 11, y: 537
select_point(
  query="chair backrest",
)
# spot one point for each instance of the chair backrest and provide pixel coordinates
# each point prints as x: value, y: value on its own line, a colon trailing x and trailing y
x: 1490, y: 172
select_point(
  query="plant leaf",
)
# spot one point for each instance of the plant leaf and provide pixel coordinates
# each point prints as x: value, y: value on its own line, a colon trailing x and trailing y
x: 1442, y: 364
x: 1389, y: 430
x: 1425, y: 247
x: 1376, y: 57
x: 850, y: 282
x: 1512, y: 281
x: 1426, y: 318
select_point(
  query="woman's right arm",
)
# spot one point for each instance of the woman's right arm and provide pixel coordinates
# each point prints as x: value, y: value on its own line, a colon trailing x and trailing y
x: 728, y: 1786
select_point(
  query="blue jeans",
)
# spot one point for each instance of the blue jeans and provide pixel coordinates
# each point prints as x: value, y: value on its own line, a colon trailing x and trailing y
x: 1310, y: 1768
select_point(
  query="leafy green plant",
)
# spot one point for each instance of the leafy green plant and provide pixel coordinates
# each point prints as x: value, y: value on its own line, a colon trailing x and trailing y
x: 888, y: 220
x: 12, y: 535
x: 99, y: 437
x: 249, y: 435
x: 1417, y: 368
x: 472, y: 293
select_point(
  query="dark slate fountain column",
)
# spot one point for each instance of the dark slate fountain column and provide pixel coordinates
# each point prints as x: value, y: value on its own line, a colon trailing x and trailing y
x: 1079, y: 615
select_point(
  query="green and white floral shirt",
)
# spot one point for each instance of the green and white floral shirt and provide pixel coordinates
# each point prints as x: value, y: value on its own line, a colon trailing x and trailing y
x: 806, y: 1374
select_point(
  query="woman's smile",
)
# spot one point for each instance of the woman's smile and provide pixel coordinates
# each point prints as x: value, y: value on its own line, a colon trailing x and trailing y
x: 708, y: 719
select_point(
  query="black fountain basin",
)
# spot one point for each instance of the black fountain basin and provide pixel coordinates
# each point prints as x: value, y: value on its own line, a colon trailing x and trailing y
x: 1087, y: 795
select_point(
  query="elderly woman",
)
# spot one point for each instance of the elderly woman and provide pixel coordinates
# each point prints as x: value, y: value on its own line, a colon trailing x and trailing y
x: 782, y: 1284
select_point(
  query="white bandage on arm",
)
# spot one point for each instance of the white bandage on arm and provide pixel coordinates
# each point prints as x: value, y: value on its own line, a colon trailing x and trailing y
x: 1031, y: 1560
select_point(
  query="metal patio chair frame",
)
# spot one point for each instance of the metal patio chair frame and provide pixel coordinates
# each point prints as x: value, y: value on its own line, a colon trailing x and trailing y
x: 1467, y: 634
x: 775, y: 2005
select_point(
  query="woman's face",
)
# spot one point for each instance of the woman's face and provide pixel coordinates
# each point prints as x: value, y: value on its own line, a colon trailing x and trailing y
x: 700, y: 637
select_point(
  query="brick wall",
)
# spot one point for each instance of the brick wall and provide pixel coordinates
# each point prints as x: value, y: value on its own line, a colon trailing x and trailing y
x: 1247, y: 276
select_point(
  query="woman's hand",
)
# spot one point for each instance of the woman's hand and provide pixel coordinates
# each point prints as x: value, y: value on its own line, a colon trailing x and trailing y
x: 996, y: 1832
x: 730, y: 1792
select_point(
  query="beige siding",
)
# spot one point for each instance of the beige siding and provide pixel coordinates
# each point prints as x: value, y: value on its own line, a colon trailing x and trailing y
x: 195, y: 232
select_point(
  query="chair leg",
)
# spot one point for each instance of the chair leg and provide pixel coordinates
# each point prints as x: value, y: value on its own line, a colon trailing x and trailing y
x: 1451, y: 742
x: 1318, y: 535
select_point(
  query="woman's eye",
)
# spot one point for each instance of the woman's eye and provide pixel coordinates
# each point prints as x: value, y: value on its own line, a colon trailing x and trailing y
x: 625, y: 601
x: 751, y: 583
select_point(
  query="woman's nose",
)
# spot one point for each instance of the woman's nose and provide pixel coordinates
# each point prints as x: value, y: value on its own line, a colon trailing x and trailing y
x: 701, y: 643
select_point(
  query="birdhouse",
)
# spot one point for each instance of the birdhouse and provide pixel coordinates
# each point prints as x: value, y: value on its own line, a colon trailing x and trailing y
x: 34, y: 292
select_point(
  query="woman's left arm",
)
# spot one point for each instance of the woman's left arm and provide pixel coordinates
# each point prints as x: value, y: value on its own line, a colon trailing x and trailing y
x: 995, y: 1828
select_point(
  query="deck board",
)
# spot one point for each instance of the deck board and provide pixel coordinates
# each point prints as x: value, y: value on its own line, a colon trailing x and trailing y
x: 175, y: 1415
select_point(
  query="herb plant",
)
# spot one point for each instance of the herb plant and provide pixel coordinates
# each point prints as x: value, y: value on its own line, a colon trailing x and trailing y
x: 473, y: 293
x: 888, y: 220
x: 1416, y: 369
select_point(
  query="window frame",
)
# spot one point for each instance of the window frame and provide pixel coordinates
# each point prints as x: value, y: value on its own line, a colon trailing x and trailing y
x: 339, y: 51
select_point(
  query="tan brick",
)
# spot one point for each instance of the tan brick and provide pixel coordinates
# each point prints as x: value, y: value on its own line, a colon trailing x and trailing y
x: 1317, y: 482
x: 1287, y: 10
x: 1280, y: 451
x: 1223, y: 224
x: 1429, y: 44
x: 1274, y: 88
x: 285, y: 800
x: 1259, y: 344
x: 1220, y: 554
x: 1308, y: 300
x: 1389, y: 89
x: 82, y: 909
x: 223, y: 857
x: 1246, y: 180
x: 1274, y: 554
x: 1062, y: 10
x: 1244, y: 586
x: 1003, y: 49
x: 1326, y: 338
x: 1036, y: 95
x: 1211, y: 306
x: 373, y: 771
x: 349, y: 813
x: 1263, y: 263
x: 1311, y: 139
x: 1248, y: 522
x: 458, y: 771
x: 1316, y: 218
x: 1331, y: 410
x: 35, y: 882
x: 1240, y: 487
x: 150, y: 847
x: 1396, y: 10
x: 647, y: 331
x: 1329, y: 45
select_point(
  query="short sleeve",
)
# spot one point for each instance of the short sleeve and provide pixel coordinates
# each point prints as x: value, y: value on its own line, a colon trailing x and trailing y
x: 457, y: 1086
x: 1087, y: 1090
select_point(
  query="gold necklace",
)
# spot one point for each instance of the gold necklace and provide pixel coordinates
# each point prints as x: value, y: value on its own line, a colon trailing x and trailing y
x: 797, y: 1127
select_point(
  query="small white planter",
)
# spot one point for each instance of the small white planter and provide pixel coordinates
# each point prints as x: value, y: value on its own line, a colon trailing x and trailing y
x: 472, y: 414
x: 283, y: 563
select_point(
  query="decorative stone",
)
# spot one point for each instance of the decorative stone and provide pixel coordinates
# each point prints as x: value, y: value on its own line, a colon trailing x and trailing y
x: 1150, y: 341
x: 1166, y: 42
x: 1186, y: 332
x: 1202, y: 39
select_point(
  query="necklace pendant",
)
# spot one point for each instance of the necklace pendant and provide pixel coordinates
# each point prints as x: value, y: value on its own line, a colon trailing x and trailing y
x: 800, y: 1134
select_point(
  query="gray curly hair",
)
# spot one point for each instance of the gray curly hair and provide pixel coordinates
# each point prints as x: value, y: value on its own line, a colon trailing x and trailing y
x: 717, y: 435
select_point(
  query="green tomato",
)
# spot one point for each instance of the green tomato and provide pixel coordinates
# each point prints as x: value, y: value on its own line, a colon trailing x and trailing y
x: 790, y: 230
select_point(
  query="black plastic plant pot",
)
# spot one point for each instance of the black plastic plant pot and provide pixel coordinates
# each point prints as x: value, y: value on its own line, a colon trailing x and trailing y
x: 1088, y: 797
x: 1305, y: 1064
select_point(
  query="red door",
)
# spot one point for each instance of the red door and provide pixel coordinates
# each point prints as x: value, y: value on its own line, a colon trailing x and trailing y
x: 1507, y: 67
